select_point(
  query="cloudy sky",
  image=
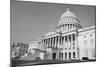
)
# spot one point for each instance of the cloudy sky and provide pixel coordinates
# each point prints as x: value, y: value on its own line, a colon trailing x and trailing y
x: 31, y: 20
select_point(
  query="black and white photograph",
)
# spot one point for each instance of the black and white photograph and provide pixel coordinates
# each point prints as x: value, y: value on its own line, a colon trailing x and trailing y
x: 44, y: 33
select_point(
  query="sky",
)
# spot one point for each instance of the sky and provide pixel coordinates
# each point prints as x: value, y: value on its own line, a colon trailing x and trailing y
x: 31, y: 20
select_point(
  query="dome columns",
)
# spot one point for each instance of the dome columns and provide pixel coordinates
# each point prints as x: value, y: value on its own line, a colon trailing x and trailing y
x: 67, y: 27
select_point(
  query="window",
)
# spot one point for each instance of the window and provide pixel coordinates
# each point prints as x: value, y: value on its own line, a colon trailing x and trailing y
x: 65, y: 55
x: 73, y: 54
x: 69, y: 37
x: 73, y: 37
x: 62, y: 55
x: 69, y: 55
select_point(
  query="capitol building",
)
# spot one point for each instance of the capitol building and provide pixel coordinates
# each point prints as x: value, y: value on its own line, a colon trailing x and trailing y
x: 68, y: 41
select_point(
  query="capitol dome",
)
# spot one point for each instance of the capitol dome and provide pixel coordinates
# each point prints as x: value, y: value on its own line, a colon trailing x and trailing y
x: 68, y: 17
x: 68, y: 21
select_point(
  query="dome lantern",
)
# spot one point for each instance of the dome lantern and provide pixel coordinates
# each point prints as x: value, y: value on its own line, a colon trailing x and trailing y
x: 68, y: 13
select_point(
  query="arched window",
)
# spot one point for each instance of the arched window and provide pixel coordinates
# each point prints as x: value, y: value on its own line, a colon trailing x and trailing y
x: 69, y: 55
x: 73, y: 54
x: 59, y: 55
x: 65, y: 55
x: 62, y: 55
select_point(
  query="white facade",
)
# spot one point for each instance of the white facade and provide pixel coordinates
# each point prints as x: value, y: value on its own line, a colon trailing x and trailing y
x: 69, y: 41
x: 36, y: 50
x: 86, y: 41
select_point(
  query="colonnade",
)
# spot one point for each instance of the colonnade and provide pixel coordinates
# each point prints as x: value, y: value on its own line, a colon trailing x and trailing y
x: 60, y: 41
x: 67, y: 27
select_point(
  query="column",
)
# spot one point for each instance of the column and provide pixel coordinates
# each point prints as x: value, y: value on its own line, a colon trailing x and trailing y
x: 62, y: 41
x: 66, y: 27
x: 63, y: 55
x: 71, y: 41
x: 67, y: 41
x: 76, y: 46
x: 49, y: 42
x: 72, y: 55
x: 72, y: 26
x: 42, y: 43
x: 69, y: 26
x: 55, y: 41
x: 63, y: 27
x: 46, y: 42
x: 52, y: 41
x: 67, y: 55
x: 75, y: 41
x: 64, y: 44
x: 58, y: 41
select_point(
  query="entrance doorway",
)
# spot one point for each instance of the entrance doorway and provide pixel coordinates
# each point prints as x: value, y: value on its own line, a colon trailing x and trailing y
x: 54, y: 56
x: 85, y: 58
